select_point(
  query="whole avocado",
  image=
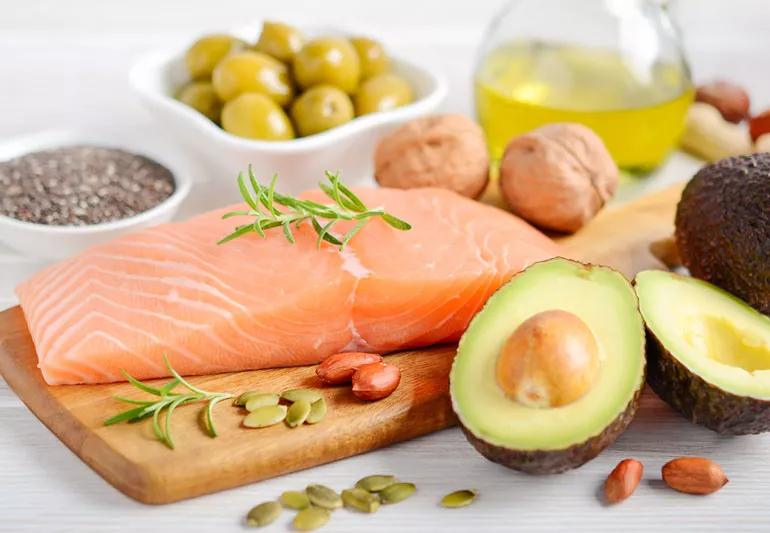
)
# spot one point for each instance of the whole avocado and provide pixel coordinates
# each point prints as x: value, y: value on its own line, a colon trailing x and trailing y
x: 723, y: 227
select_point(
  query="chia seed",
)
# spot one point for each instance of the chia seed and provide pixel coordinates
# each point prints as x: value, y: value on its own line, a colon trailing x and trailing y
x: 81, y: 185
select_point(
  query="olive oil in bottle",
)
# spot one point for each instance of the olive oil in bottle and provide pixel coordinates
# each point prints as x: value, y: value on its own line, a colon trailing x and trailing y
x: 637, y: 109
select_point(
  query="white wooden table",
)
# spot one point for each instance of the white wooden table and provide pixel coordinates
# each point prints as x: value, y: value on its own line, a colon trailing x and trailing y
x: 64, y: 64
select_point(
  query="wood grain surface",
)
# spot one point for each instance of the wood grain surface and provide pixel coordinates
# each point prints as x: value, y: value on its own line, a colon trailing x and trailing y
x: 128, y: 457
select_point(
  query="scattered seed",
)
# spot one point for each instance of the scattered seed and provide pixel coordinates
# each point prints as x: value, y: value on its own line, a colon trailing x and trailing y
x: 317, y: 412
x: 397, y: 492
x: 323, y: 496
x: 268, y: 415
x: 261, y: 400
x: 458, y: 498
x: 297, y: 413
x: 263, y: 514
x: 294, y: 395
x: 376, y: 483
x: 360, y: 500
x: 242, y: 398
x: 311, y: 518
x: 294, y: 499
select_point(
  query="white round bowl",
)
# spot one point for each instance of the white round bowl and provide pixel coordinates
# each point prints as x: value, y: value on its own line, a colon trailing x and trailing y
x: 300, y: 163
x: 58, y: 242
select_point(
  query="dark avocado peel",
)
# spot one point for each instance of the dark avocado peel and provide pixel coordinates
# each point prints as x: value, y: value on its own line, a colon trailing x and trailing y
x: 708, y: 352
x: 723, y: 227
x: 547, y: 438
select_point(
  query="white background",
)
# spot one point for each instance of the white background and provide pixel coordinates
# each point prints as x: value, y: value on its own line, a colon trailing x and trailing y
x: 64, y: 64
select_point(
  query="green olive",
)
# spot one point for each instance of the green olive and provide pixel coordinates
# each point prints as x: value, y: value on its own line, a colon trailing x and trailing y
x: 280, y: 41
x: 206, y: 52
x: 255, y: 116
x: 255, y: 72
x: 382, y: 93
x: 374, y: 59
x: 321, y: 108
x: 330, y: 61
x: 200, y: 96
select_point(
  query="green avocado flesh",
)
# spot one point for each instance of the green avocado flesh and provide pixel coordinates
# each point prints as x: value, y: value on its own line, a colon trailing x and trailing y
x: 709, y: 353
x: 523, y: 437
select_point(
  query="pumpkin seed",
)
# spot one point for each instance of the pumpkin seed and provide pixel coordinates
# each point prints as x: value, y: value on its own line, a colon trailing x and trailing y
x: 268, y: 415
x: 263, y: 514
x: 241, y: 400
x: 294, y: 395
x: 459, y: 498
x: 361, y: 500
x: 297, y: 413
x: 311, y: 518
x: 323, y: 496
x: 397, y: 492
x: 294, y: 499
x: 375, y: 483
x: 317, y: 412
x: 261, y: 400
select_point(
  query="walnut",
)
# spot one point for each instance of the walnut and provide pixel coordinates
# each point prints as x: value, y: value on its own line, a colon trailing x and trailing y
x: 446, y: 151
x: 558, y: 176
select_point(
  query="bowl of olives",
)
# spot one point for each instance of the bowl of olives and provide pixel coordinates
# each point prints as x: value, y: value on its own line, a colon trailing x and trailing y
x: 284, y: 100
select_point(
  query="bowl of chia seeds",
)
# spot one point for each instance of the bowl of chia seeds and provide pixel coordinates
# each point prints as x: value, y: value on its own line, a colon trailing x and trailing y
x: 61, y: 193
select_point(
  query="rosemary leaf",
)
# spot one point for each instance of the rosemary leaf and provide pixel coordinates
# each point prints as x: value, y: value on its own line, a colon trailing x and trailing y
x: 346, y: 205
x: 237, y: 233
x: 396, y: 222
x: 165, y: 405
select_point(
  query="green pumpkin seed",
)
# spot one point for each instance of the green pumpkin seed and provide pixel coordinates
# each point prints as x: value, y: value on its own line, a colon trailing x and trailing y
x: 269, y: 415
x: 294, y: 395
x: 241, y: 400
x: 458, y: 498
x: 317, y: 412
x: 256, y: 401
x: 361, y: 500
x: 323, y: 496
x: 263, y: 514
x: 297, y: 413
x: 397, y: 492
x: 294, y: 499
x: 311, y: 518
x: 375, y: 483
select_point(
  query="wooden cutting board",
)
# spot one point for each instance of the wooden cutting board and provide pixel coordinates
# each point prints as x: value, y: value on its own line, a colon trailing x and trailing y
x: 129, y: 458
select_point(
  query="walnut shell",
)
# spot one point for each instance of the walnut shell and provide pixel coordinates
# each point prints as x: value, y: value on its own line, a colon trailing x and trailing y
x: 446, y: 151
x: 558, y: 176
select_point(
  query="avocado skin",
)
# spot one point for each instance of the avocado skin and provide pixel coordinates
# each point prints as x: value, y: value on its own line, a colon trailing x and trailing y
x: 723, y: 227
x: 700, y: 401
x: 556, y: 461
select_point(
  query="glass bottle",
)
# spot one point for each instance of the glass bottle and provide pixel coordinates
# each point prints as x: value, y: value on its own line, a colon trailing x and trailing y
x: 616, y: 66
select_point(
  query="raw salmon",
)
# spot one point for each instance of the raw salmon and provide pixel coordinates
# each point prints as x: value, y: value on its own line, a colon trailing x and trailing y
x: 262, y: 302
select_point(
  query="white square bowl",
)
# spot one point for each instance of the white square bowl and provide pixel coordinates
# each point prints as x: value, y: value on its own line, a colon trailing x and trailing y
x: 300, y: 163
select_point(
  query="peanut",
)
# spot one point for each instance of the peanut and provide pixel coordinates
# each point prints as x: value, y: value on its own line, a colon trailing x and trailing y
x: 763, y: 143
x: 623, y: 480
x: 694, y: 475
x: 375, y: 381
x: 709, y: 136
x: 339, y: 368
x: 731, y: 100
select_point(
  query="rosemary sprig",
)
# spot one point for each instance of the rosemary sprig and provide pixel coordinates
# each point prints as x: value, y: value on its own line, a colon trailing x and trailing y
x: 264, y: 202
x: 168, y: 401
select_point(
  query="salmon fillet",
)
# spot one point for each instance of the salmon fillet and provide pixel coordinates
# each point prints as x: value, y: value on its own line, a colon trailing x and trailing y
x: 262, y: 302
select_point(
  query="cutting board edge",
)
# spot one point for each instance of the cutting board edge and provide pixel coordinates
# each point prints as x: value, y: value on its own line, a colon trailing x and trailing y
x: 86, y: 445
x: 142, y: 481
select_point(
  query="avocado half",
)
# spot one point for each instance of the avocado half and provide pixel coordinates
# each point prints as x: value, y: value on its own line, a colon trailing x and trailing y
x: 723, y: 227
x: 555, y: 439
x: 708, y: 352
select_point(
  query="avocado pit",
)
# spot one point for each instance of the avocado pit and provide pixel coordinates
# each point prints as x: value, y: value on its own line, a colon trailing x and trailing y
x: 550, y: 360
